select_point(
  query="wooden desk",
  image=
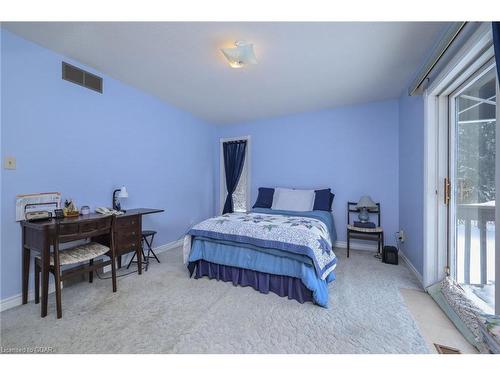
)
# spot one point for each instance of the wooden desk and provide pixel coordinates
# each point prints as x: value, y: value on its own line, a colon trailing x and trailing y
x: 38, y: 236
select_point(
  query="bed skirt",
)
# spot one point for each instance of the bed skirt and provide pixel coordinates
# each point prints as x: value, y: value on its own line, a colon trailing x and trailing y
x: 283, y: 286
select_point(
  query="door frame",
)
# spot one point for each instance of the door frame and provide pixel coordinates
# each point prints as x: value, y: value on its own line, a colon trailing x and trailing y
x: 474, y: 53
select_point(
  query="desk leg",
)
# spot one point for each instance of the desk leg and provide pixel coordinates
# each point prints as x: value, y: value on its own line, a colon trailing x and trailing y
x: 45, y: 260
x: 26, y: 273
x: 138, y: 252
x: 138, y: 247
x: 119, y: 260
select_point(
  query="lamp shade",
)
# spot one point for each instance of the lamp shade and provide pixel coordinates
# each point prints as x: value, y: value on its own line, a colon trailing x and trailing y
x: 240, y: 55
x: 123, y: 193
x: 366, y: 202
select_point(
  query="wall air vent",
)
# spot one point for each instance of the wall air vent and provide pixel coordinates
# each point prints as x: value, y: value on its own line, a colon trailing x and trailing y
x: 81, y: 77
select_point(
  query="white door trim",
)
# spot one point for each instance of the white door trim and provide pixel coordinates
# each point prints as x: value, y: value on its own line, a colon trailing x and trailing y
x: 430, y: 224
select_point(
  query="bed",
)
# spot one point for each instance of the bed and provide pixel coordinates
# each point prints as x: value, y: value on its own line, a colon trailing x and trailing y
x: 288, y: 253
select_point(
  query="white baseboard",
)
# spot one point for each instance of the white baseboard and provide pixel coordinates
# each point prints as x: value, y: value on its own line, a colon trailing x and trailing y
x: 412, y: 269
x: 169, y: 246
x: 17, y: 300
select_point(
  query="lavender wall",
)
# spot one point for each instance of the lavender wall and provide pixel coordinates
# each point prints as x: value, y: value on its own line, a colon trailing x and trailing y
x: 353, y: 150
x: 70, y: 139
x: 411, y: 177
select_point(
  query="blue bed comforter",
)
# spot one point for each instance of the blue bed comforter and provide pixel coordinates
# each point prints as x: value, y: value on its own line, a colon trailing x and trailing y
x: 299, y: 248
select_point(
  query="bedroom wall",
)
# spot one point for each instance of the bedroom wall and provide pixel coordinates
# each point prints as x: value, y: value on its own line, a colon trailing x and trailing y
x: 84, y: 144
x: 353, y: 150
x: 411, y: 177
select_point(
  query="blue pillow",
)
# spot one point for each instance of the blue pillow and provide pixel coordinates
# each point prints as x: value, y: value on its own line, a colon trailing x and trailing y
x: 323, y: 200
x: 265, y: 198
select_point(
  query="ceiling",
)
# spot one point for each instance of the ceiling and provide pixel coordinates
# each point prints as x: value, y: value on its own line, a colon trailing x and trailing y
x: 302, y: 66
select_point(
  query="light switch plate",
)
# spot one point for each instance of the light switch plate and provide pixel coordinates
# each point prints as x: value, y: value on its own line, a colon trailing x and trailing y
x: 10, y: 162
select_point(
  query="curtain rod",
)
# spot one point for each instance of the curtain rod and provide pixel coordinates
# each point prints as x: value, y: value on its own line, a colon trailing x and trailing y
x: 439, y: 51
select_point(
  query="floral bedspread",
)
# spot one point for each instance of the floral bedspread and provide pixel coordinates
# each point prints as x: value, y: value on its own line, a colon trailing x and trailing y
x: 300, y: 235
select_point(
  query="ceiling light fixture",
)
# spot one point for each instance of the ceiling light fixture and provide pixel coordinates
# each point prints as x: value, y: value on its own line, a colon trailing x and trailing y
x: 240, y: 55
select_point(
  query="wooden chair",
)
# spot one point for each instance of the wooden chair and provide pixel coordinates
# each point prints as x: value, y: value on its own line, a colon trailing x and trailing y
x: 368, y: 234
x: 82, y: 253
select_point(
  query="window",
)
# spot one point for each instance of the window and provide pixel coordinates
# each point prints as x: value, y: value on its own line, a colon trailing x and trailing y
x: 241, y: 195
x: 472, y: 173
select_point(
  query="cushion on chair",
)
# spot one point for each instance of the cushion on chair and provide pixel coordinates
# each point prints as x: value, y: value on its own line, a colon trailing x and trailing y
x: 365, y: 230
x: 80, y: 253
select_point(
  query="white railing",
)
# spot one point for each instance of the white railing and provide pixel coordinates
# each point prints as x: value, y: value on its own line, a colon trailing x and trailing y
x: 470, y: 214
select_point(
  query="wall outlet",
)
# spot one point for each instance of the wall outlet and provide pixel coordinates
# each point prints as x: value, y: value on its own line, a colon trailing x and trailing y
x: 401, y: 236
x: 10, y: 162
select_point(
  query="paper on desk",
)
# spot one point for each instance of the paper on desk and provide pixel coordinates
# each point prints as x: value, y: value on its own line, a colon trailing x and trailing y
x: 42, y: 202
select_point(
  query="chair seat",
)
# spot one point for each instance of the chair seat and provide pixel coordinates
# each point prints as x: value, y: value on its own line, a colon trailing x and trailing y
x: 365, y: 230
x: 80, y: 253
x: 147, y: 233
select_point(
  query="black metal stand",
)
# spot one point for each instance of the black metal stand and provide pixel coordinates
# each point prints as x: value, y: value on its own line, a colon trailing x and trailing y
x: 145, y: 235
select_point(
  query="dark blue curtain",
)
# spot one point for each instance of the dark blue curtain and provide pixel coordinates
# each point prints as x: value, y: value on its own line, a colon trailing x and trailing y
x: 496, y: 43
x: 234, y: 158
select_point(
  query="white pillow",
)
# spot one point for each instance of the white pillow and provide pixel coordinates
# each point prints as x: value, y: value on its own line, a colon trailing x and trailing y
x: 293, y: 200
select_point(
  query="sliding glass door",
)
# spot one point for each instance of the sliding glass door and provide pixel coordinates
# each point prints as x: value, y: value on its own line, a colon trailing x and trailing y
x: 470, y: 190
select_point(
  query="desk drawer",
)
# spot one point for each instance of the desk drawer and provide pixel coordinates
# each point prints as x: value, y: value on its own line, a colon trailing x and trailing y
x: 127, y: 222
x: 127, y: 233
x: 91, y: 226
x: 127, y: 238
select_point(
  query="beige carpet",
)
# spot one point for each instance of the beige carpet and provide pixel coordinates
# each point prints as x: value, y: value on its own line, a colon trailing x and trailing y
x: 163, y: 311
x: 433, y: 323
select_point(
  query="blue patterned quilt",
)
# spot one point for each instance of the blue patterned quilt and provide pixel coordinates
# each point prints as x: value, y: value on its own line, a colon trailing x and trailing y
x: 295, y: 234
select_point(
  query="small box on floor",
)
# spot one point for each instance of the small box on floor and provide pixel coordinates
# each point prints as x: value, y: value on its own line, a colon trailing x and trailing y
x: 390, y: 255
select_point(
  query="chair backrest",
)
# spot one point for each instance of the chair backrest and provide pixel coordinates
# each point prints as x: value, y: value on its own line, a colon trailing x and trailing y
x: 81, y: 229
x: 73, y: 230
x: 352, y: 208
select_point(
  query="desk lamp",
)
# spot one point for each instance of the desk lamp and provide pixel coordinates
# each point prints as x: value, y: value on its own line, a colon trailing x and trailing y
x: 364, y: 204
x: 122, y: 193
